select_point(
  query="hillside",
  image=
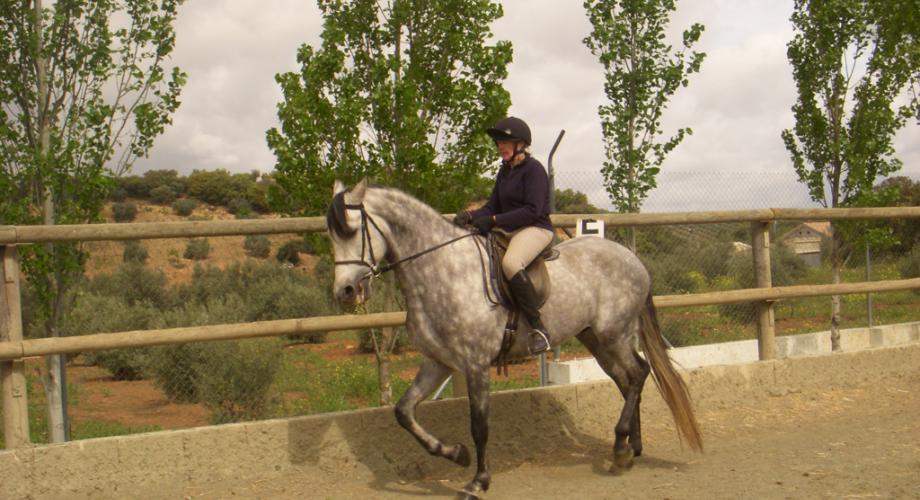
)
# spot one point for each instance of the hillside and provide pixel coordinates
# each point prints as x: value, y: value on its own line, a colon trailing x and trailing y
x: 166, y: 254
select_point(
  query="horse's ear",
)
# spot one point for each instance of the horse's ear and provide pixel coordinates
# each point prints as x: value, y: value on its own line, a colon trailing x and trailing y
x: 356, y: 195
x: 338, y: 187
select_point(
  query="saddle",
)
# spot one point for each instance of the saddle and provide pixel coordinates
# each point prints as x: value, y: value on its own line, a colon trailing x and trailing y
x: 539, y: 276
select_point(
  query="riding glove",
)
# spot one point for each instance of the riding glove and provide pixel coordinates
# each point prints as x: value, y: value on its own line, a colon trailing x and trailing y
x: 484, y: 224
x: 462, y: 218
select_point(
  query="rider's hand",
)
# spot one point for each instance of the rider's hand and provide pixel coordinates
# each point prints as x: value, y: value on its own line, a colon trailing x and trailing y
x: 484, y: 224
x: 462, y: 218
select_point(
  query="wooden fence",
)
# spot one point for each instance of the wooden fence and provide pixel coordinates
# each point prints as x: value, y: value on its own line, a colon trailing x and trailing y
x: 13, y: 349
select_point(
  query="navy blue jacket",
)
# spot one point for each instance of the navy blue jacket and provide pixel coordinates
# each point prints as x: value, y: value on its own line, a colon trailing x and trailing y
x: 520, y: 197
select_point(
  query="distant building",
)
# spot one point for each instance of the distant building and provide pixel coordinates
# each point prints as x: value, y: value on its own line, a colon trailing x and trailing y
x: 805, y: 240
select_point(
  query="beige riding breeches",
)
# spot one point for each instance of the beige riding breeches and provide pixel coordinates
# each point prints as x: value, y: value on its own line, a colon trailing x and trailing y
x: 526, y: 243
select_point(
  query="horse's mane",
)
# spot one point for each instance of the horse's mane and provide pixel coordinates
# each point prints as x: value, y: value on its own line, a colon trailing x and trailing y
x: 337, y: 221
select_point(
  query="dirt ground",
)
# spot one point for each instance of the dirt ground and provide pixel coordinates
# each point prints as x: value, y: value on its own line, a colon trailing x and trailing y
x: 855, y: 442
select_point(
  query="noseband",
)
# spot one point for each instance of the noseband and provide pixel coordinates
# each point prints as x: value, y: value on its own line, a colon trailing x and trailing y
x: 374, y: 269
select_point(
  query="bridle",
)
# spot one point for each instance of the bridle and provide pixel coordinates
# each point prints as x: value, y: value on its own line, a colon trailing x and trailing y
x: 374, y: 267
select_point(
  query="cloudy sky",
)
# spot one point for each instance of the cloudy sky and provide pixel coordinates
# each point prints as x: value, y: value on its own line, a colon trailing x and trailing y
x: 737, y: 105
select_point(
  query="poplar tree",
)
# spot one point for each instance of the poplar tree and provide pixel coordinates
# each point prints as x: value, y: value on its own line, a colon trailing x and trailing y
x: 642, y: 72
x: 84, y: 91
x: 400, y: 91
x: 856, y: 65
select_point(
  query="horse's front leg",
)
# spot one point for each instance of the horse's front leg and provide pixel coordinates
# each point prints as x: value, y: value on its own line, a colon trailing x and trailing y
x: 430, y: 375
x: 477, y: 380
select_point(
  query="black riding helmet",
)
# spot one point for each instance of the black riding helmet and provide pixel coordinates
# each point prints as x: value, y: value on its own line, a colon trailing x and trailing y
x: 510, y: 129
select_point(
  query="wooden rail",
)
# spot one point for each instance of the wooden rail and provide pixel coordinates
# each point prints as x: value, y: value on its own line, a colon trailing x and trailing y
x: 18, y: 235
x: 16, y: 350
x: 13, y: 349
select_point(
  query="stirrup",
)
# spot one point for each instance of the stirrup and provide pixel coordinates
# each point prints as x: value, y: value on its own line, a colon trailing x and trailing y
x: 542, y: 343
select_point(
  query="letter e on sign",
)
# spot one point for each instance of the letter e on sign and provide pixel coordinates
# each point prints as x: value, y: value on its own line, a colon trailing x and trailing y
x: 589, y: 227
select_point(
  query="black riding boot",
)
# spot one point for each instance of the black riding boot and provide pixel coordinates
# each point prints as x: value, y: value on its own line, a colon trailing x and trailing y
x: 526, y: 298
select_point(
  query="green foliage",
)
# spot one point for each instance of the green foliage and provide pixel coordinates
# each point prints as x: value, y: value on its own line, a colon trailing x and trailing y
x: 124, y: 212
x: 163, y: 195
x: 185, y: 206
x: 786, y: 267
x: 909, y: 266
x: 133, y: 284
x: 257, y: 245
x: 136, y: 252
x: 845, y: 123
x: 74, y: 89
x: 118, y: 195
x: 197, y: 249
x: 236, y: 386
x: 153, y: 180
x: 107, y: 312
x: 239, y: 207
x: 290, y: 251
x: 218, y: 187
x: 569, y: 201
x: 642, y: 73
x: 399, y: 91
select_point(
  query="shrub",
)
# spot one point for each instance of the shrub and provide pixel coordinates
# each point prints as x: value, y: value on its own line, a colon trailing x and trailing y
x: 177, y: 369
x: 909, y: 266
x: 232, y: 379
x: 291, y: 250
x: 135, y: 252
x: 239, y: 207
x: 163, y: 195
x: 134, y: 283
x: 234, y: 383
x: 185, y: 206
x: 197, y: 249
x: 786, y: 269
x: 118, y: 194
x: 257, y: 245
x: 124, y: 212
x: 93, y: 313
x: 265, y: 291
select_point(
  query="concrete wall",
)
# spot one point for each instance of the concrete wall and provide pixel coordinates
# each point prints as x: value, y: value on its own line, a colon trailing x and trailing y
x: 369, y: 446
x: 745, y: 351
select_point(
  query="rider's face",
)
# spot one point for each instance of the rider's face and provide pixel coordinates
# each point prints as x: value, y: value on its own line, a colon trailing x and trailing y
x: 505, y: 149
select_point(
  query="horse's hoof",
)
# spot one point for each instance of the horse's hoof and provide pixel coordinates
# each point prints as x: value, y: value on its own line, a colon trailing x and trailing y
x: 463, y: 456
x: 472, y: 491
x: 623, y: 460
x: 466, y: 495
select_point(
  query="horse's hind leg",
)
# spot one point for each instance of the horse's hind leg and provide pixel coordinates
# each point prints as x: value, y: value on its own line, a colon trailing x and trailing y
x: 430, y: 375
x: 620, y: 361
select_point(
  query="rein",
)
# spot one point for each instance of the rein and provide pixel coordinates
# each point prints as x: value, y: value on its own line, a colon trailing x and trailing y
x: 376, y: 270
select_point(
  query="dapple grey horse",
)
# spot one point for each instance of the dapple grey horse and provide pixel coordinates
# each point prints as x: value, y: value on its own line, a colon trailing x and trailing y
x: 601, y: 295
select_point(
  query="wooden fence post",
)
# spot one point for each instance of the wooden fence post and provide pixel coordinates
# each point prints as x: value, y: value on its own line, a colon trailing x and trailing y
x: 760, y: 245
x: 12, y: 373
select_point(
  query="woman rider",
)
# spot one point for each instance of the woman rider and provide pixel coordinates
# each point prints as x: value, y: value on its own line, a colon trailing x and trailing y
x: 519, y: 204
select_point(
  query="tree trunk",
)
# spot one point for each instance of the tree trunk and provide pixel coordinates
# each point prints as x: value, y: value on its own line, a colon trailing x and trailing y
x: 54, y: 379
x: 836, y: 264
x: 383, y: 347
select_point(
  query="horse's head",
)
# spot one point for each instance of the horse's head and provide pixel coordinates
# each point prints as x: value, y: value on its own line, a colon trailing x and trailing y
x: 357, y: 241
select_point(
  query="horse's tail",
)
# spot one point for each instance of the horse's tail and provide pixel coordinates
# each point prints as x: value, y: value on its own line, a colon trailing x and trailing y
x: 669, y: 382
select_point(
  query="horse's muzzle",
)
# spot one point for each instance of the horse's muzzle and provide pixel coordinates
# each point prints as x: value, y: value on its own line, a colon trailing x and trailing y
x: 354, y: 294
